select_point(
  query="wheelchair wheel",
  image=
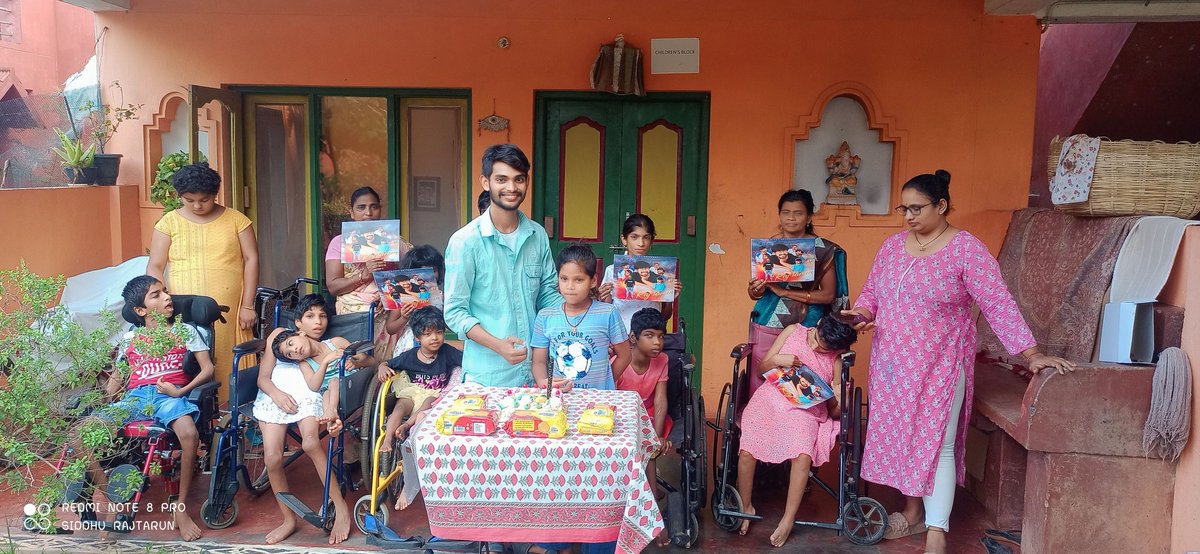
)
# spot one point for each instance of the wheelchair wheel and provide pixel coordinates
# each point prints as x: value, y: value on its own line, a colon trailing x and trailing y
x: 249, y: 453
x: 693, y: 531
x: 728, y: 499
x: 864, y: 520
x: 718, y: 430
x: 362, y: 509
x: 370, y: 429
x: 218, y: 517
x: 701, y: 454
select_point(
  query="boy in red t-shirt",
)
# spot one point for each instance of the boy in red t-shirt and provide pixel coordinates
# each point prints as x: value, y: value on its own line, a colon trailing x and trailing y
x: 158, y: 387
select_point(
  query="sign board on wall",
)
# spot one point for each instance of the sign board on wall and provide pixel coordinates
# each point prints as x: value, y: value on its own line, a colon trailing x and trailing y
x: 674, y: 55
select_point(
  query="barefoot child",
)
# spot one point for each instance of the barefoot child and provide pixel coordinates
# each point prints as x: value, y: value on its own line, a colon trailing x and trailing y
x: 774, y: 430
x: 647, y: 376
x: 424, y: 372
x: 571, y: 341
x: 158, y: 384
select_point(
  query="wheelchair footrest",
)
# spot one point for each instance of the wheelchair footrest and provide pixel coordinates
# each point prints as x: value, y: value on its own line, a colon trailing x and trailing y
x: 435, y: 544
x: 393, y: 541
x: 677, y: 517
x: 301, y: 509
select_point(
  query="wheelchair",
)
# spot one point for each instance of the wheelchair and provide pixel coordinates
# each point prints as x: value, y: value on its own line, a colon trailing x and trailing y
x: 860, y: 518
x: 238, y: 448
x: 148, y: 446
x: 686, y: 408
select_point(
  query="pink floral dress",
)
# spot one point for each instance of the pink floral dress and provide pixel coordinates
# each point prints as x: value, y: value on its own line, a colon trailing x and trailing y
x: 775, y: 430
x: 924, y: 337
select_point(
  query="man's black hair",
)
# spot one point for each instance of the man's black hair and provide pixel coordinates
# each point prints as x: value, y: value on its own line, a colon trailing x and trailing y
x: 508, y: 154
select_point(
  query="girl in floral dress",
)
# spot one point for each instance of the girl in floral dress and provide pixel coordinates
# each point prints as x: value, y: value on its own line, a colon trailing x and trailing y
x: 775, y: 430
x: 918, y: 298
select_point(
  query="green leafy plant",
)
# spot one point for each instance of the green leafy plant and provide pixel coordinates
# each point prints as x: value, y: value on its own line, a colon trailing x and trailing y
x: 162, y: 192
x: 51, y: 377
x: 109, y: 118
x: 74, y: 155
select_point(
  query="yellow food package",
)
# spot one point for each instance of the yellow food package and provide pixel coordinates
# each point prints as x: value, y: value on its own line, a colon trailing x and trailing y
x: 597, y: 419
x: 466, y: 422
x: 546, y: 424
x: 469, y: 402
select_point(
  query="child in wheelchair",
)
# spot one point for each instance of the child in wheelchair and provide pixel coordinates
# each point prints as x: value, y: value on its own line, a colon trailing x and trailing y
x: 158, y: 386
x: 420, y: 375
x: 298, y: 383
x: 775, y: 430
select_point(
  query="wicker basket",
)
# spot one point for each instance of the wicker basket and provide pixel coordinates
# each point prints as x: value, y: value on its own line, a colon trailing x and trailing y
x: 1139, y: 178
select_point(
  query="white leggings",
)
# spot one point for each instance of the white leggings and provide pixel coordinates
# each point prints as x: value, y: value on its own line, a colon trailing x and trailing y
x: 938, y: 504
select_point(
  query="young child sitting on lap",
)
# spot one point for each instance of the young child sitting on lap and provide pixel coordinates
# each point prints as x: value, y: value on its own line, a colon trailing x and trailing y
x: 158, y: 384
x: 774, y: 430
x: 424, y: 372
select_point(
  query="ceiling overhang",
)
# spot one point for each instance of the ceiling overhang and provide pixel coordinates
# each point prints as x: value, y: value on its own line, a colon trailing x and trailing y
x: 1098, y: 11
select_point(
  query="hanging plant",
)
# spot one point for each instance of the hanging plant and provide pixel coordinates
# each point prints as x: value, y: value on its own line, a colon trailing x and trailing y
x: 162, y: 192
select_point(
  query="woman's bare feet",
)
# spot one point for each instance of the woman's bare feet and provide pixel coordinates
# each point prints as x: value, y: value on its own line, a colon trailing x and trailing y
x: 745, y: 522
x: 341, y: 523
x: 782, y: 532
x: 401, y: 502
x: 188, y: 529
x: 284, y: 531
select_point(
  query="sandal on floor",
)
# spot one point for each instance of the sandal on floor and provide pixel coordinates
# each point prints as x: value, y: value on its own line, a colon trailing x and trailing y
x: 898, y: 527
x: 994, y: 547
x: 1011, y: 536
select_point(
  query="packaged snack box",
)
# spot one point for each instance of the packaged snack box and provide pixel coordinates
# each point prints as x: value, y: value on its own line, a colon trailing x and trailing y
x: 470, y: 402
x: 596, y: 419
x: 546, y: 424
x: 466, y: 422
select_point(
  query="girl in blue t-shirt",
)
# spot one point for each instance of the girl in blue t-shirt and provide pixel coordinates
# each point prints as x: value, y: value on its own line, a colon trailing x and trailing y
x: 572, y: 341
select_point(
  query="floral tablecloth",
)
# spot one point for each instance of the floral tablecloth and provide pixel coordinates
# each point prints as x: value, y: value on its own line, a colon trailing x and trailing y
x: 579, y: 488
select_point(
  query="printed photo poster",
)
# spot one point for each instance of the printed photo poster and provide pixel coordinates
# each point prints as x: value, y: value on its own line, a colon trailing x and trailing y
x: 408, y: 286
x: 649, y: 278
x: 366, y: 240
x: 783, y: 260
x: 800, y: 385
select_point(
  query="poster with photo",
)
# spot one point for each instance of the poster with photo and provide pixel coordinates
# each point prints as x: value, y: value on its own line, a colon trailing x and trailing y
x: 400, y: 287
x: 800, y: 385
x: 648, y: 278
x: 783, y: 260
x: 366, y: 240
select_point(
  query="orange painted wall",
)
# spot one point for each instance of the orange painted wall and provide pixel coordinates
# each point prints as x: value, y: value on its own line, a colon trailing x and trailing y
x: 1184, y: 290
x: 56, y: 41
x: 961, y: 86
x: 69, y: 230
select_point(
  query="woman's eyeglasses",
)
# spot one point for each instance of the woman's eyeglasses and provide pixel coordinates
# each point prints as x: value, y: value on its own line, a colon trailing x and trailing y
x: 914, y: 209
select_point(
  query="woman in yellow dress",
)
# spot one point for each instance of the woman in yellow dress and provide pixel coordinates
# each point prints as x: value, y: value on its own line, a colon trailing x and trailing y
x: 212, y: 252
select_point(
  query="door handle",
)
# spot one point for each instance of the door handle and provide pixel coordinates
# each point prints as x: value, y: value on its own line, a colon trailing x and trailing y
x: 616, y: 247
x: 548, y: 223
x: 691, y: 225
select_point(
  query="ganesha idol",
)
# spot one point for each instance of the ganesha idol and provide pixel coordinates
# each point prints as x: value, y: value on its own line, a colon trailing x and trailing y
x: 843, y: 167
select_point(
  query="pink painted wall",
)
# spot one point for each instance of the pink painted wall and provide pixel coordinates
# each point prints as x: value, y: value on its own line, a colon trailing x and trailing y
x: 56, y: 41
x: 1074, y: 62
x: 1184, y: 290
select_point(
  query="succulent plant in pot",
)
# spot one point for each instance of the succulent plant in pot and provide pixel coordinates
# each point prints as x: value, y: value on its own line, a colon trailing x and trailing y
x: 77, y: 159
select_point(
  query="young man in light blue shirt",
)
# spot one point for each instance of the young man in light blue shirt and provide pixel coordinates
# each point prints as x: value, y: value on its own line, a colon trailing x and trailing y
x: 499, y: 273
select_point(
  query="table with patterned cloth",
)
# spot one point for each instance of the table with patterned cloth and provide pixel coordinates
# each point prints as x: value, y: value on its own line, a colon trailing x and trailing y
x: 578, y: 488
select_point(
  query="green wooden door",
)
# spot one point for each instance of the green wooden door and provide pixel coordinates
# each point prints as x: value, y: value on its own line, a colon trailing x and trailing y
x: 599, y: 158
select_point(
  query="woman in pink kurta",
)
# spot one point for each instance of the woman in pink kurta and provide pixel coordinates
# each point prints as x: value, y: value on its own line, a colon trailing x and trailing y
x: 918, y: 298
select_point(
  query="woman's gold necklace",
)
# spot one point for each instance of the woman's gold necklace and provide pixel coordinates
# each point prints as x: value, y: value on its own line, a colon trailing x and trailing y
x: 923, y: 245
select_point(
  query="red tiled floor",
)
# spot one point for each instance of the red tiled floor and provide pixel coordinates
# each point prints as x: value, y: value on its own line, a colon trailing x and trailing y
x: 258, y: 515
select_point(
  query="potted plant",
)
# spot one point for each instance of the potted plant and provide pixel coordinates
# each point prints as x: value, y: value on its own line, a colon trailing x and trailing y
x: 108, y: 120
x: 162, y: 191
x: 76, y: 159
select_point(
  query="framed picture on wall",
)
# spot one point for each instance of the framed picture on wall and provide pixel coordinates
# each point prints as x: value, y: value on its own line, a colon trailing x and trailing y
x: 427, y: 193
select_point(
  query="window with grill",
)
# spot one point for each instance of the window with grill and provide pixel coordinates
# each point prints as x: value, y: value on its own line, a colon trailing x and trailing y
x: 10, y: 20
